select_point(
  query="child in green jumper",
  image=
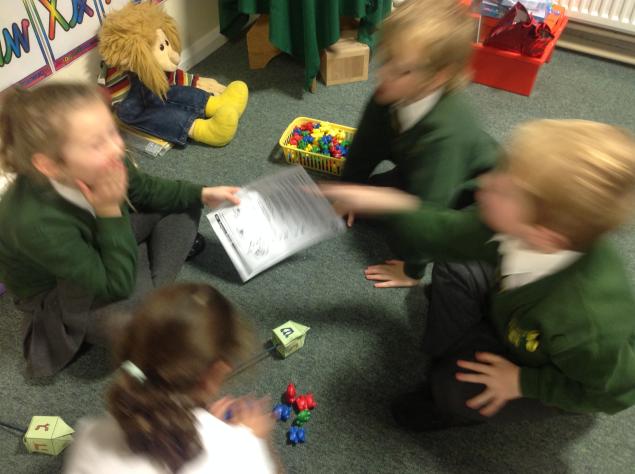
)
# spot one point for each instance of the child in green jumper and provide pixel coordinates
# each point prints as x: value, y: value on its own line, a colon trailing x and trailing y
x: 542, y: 317
x: 419, y: 120
x: 84, y: 233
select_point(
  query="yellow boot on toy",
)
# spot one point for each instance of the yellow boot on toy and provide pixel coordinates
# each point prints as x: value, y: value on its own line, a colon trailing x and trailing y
x: 218, y: 130
x: 235, y: 96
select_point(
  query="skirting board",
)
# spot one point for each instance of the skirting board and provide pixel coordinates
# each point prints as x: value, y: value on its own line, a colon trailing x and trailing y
x: 205, y: 45
x: 598, y: 41
x: 201, y: 48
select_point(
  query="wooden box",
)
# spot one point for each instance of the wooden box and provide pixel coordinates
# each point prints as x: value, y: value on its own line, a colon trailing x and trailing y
x: 345, y: 61
x: 348, y: 28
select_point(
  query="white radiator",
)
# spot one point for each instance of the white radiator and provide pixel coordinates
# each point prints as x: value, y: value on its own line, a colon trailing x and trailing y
x: 617, y: 15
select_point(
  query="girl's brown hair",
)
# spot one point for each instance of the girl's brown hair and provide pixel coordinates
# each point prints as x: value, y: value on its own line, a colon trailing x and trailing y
x: 36, y: 121
x: 173, y: 338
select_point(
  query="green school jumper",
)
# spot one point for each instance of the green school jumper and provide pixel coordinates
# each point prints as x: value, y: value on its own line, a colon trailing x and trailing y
x: 437, y: 159
x: 60, y: 261
x: 573, y: 332
x: 45, y: 238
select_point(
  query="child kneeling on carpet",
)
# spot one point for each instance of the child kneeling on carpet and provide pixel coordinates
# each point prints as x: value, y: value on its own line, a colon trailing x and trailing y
x: 419, y: 119
x: 84, y: 233
x: 175, y: 354
x: 542, y: 315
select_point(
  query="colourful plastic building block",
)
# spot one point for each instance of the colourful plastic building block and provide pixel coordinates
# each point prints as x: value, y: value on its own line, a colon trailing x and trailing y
x: 289, y: 395
x: 296, y: 435
x: 302, y: 417
x: 282, y: 412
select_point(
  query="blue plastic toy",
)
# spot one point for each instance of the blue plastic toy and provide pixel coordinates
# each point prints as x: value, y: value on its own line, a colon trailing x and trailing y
x: 282, y: 412
x: 296, y: 435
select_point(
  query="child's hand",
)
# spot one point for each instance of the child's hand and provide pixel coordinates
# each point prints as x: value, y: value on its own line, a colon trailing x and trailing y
x: 254, y: 414
x: 368, y: 199
x: 391, y: 275
x: 500, y: 377
x: 107, y: 194
x: 340, y: 210
x: 214, y: 196
x: 220, y: 407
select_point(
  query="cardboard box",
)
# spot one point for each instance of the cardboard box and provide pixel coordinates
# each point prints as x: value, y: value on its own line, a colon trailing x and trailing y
x: 48, y: 435
x: 289, y: 337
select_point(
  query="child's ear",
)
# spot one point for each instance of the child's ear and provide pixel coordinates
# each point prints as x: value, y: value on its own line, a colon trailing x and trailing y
x: 46, y: 165
x: 441, y: 78
x: 548, y: 240
x: 215, y: 375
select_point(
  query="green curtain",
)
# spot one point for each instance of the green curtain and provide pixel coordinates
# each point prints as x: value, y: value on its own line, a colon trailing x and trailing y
x: 304, y: 27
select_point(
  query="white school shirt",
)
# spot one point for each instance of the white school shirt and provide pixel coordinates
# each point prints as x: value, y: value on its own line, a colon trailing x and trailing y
x: 521, y: 265
x: 409, y: 115
x: 72, y: 195
x: 100, y: 448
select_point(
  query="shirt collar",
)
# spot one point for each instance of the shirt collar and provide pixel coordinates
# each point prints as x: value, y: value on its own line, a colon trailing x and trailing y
x: 5, y: 181
x: 72, y: 195
x: 524, y: 265
x: 410, y: 114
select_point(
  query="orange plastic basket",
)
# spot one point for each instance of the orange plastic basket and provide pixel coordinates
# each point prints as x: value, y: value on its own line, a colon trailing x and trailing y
x: 309, y: 159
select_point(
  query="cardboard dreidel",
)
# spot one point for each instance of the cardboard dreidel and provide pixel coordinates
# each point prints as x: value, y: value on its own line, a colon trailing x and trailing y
x: 48, y: 435
x: 289, y: 337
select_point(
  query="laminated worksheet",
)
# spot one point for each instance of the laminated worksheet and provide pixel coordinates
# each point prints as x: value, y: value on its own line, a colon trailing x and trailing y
x: 278, y: 216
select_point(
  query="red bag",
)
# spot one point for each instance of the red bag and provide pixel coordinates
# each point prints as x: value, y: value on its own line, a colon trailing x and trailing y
x: 518, y: 31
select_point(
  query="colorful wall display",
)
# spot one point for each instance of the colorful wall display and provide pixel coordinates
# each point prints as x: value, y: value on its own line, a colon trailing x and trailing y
x: 39, y: 37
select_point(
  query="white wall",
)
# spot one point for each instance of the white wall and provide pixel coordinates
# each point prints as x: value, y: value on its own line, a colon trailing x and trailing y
x: 200, y: 34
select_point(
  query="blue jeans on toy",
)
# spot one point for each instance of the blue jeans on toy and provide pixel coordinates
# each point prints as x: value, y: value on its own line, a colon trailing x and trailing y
x: 171, y: 119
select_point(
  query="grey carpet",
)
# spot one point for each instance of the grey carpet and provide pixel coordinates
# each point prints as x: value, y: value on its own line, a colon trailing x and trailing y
x: 362, y: 349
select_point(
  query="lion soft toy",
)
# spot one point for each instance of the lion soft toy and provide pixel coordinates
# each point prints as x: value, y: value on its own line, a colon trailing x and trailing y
x: 162, y: 100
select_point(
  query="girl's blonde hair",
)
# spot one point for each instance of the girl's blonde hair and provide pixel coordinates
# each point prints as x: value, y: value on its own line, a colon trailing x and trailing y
x: 127, y: 37
x: 174, y: 338
x: 440, y: 31
x: 36, y: 121
x: 579, y: 175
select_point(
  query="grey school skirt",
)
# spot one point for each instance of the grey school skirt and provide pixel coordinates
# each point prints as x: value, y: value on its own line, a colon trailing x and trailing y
x: 58, y: 322
x: 54, y: 327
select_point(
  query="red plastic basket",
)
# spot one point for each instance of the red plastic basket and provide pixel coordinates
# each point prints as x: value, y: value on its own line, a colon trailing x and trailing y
x: 506, y: 70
